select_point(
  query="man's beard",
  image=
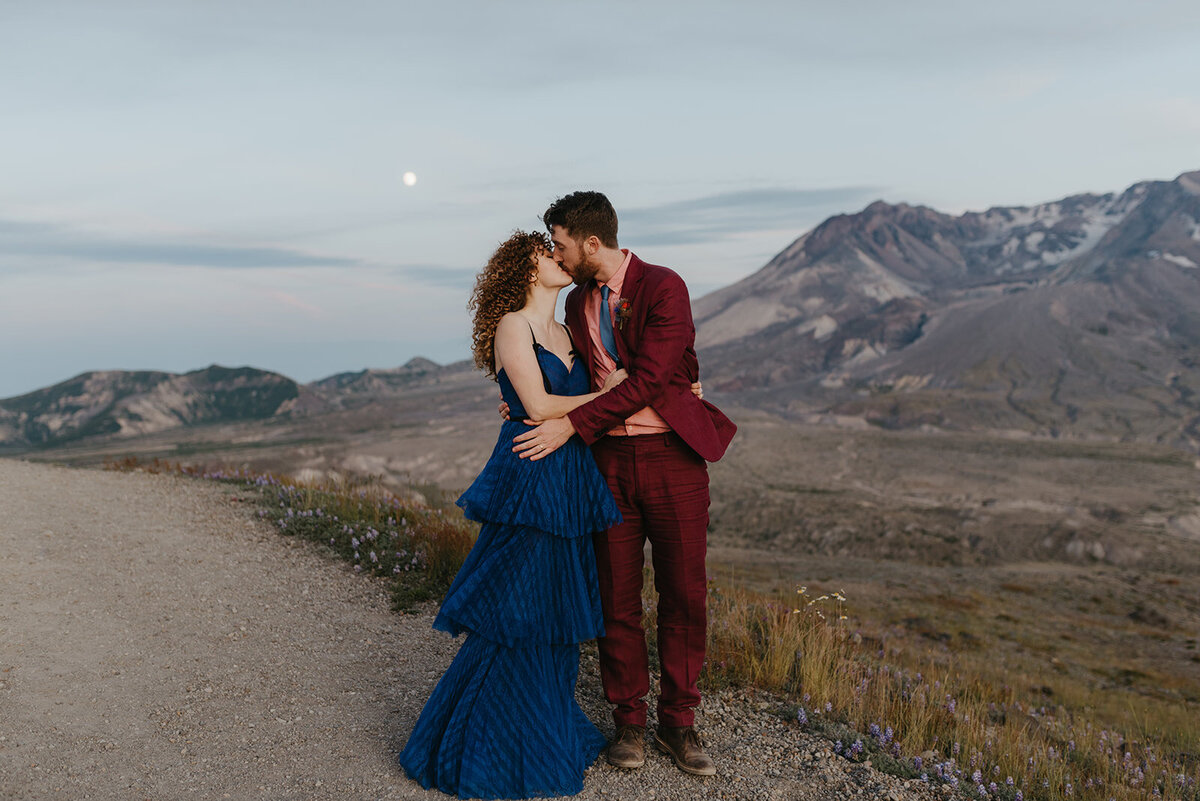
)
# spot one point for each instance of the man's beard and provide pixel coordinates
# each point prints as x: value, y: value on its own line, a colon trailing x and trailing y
x: 584, y: 271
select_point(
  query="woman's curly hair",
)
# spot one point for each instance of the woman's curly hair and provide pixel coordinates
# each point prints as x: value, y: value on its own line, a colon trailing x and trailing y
x: 501, y: 288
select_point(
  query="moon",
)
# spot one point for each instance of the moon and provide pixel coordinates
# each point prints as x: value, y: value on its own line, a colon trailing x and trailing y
x: 409, y: 178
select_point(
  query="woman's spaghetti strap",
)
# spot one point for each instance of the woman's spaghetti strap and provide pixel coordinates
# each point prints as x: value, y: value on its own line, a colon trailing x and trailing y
x: 574, y: 351
x: 542, y: 370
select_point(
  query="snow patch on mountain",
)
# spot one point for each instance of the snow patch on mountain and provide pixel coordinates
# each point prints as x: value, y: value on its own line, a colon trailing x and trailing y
x: 1094, y: 227
x: 1182, y: 261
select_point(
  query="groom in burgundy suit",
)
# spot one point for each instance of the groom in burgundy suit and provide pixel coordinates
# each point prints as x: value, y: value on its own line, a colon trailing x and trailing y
x: 651, y: 437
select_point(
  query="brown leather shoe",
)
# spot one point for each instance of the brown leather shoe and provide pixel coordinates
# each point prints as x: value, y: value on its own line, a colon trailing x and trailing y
x: 628, y: 747
x: 683, y: 745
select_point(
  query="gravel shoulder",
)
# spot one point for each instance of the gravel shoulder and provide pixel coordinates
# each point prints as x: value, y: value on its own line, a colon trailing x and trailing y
x: 157, y: 641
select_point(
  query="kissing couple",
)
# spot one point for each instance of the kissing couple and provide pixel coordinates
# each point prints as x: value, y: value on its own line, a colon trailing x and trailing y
x: 605, y: 446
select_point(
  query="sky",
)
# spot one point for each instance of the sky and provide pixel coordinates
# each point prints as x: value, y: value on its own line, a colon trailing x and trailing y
x: 190, y: 183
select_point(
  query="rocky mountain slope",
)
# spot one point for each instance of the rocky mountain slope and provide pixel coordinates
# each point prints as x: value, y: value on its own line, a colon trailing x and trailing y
x: 116, y: 405
x: 1079, y: 316
x: 418, y: 375
x: 124, y: 404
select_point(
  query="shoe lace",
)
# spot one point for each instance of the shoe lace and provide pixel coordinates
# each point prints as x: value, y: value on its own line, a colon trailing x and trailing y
x: 628, y: 734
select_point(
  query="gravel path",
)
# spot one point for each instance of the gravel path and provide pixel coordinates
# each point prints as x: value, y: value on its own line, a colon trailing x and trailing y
x: 158, y: 642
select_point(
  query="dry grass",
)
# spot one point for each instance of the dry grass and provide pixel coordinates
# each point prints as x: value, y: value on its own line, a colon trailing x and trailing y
x: 953, y: 723
x: 943, y: 722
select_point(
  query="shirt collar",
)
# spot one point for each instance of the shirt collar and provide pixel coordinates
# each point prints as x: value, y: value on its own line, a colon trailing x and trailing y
x: 618, y: 280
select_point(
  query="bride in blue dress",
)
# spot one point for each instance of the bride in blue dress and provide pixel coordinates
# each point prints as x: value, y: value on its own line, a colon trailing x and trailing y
x: 503, y: 721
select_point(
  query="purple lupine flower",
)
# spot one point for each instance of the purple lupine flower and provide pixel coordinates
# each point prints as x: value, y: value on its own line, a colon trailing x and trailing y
x: 857, y: 748
x: 917, y: 763
x: 801, y: 717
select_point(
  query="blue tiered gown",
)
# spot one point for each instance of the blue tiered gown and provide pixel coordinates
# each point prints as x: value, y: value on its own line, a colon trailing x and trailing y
x: 503, y: 721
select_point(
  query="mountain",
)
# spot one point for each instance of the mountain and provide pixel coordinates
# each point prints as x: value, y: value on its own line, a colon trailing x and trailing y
x: 118, y: 405
x: 417, y: 372
x: 124, y: 404
x: 1079, y: 316
x: 1074, y: 318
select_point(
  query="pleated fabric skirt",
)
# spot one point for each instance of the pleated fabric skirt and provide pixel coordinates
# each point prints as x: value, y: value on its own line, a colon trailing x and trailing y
x: 503, y: 721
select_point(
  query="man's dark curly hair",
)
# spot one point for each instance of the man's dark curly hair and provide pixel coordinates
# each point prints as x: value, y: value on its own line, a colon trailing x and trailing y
x: 584, y: 214
x: 501, y: 288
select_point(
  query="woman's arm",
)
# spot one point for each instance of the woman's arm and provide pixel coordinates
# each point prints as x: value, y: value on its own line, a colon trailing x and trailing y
x: 514, y: 352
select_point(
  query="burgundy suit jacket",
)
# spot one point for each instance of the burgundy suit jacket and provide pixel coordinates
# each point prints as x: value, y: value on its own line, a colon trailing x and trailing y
x: 656, y: 345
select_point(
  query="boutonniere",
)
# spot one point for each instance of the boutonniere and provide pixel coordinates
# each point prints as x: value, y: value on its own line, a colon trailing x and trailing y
x: 623, y: 312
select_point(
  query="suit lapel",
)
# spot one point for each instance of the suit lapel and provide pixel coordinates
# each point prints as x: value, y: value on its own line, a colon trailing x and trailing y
x: 626, y: 336
x: 577, y: 322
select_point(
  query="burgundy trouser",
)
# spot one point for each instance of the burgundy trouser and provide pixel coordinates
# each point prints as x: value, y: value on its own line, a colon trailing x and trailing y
x: 661, y: 488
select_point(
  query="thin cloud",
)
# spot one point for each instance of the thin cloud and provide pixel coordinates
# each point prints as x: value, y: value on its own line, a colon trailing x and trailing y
x: 50, y: 240
x: 288, y: 299
x: 1016, y: 84
x: 715, y: 217
x: 437, y: 275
